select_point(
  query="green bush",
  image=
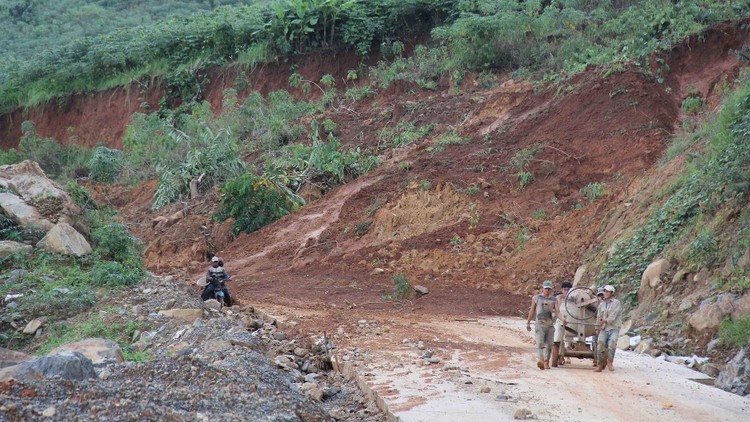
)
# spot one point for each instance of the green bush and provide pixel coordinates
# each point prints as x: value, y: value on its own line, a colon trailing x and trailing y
x: 361, y: 228
x: 322, y: 162
x: 58, y: 161
x: 105, y: 164
x: 405, y: 133
x: 114, y: 242
x: 116, y: 274
x: 80, y: 196
x: 401, y: 287
x: 255, y: 201
x: 703, y: 250
x: 274, y: 121
x: 593, y: 191
x: 9, y: 230
x: 735, y: 333
x: 691, y: 105
x: 212, y: 158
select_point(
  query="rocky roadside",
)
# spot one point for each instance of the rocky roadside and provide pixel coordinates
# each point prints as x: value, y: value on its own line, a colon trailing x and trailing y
x: 207, y: 364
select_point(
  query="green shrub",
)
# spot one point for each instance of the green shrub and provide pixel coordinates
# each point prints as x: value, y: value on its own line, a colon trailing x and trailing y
x: 322, y: 162
x: 116, y: 274
x: 735, y: 333
x: 539, y: 214
x: 329, y: 126
x: 423, y: 68
x: 703, y: 250
x: 401, y: 287
x: 524, y: 178
x: 691, y: 105
x: 593, y: 191
x: 254, y: 202
x: 80, y: 195
x: 213, y: 159
x: 361, y: 228
x: 114, y: 242
x: 275, y: 121
x: 9, y: 230
x: 405, y: 133
x: 359, y: 93
x: 456, y: 240
x: 11, y: 156
x: 105, y: 164
x: 58, y: 161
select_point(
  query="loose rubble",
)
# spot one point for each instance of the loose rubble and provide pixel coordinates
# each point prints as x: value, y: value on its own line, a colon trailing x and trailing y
x: 228, y: 364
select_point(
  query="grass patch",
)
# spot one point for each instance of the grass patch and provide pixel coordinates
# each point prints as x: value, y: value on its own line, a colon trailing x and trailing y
x: 735, y: 334
x: 95, y: 327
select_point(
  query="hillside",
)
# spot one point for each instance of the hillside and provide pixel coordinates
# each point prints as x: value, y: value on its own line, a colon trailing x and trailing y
x: 343, y: 183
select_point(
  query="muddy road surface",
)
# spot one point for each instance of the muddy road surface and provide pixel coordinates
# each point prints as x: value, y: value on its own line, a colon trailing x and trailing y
x: 482, y: 368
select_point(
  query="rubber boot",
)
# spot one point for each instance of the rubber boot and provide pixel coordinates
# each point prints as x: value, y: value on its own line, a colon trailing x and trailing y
x: 546, y: 365
x: 609, y: 365
x: 540, y: 364
x: 555, y: 354
x: 602, y: 363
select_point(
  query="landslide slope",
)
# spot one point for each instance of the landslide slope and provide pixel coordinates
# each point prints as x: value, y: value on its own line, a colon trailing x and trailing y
x: 512, y: 185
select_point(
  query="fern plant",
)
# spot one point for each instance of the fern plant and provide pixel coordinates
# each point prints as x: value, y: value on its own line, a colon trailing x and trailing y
x: 211, y: 159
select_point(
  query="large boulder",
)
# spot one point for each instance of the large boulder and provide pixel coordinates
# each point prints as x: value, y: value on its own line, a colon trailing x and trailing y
x: 711, y: 313
x: 651, y: 280
x: 736, y: 375
x: 28, y: 180
x: 64, y: 239
x: 34, y: 200
x: 187, y: 315
x: 100, y: 351
x: 741, y: 307
x: 22, y: 213
x: 9, y: 248
x: 66, y: 365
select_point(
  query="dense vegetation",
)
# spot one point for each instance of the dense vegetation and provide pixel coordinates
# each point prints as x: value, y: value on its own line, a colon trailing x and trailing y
x: 28, y: 27
x: 691, y: 224
x: 538, y: 36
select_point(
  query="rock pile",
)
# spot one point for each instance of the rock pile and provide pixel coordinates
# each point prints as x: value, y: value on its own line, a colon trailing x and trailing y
x: 232, y: 364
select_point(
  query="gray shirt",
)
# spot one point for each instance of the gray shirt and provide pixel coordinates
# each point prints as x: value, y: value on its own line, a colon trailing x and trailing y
x: 611, y: 312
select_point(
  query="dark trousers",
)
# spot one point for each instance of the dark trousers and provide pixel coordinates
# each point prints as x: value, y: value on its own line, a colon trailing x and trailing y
x: 208, y: 293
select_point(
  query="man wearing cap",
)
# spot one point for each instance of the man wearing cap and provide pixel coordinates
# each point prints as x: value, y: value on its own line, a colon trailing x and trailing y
x: 543, y: 308
x: 609, y: 320
x: 559, y: 328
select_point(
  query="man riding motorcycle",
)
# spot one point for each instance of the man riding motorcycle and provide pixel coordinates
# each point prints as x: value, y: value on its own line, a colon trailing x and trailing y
x: 215, y: 279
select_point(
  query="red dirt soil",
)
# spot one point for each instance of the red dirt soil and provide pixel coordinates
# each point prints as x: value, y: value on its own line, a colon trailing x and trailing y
x: 474, y: 238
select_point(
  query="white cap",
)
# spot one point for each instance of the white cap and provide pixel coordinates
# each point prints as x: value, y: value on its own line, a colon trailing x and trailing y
x: 609, y: 288
x: 215, y: 259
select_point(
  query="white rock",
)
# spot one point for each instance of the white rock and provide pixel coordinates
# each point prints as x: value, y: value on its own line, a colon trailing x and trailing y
x: 64, y: 239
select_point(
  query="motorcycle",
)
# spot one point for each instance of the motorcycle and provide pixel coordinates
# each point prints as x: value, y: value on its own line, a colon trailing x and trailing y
x: 218, y: 288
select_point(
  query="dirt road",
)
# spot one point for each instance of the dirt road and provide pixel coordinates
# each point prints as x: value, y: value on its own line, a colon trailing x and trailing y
x: 486, y: 372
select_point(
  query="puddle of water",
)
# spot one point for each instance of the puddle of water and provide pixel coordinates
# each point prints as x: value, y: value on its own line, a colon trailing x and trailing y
x: 704, y: 381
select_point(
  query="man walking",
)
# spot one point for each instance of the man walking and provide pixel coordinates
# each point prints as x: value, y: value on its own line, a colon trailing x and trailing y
x: 559, y: 336
x: 543, y: 309
x: 609, y: 320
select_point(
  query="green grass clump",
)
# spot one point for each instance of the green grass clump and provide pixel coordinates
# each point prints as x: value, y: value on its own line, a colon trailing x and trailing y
x: 735, y: 333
